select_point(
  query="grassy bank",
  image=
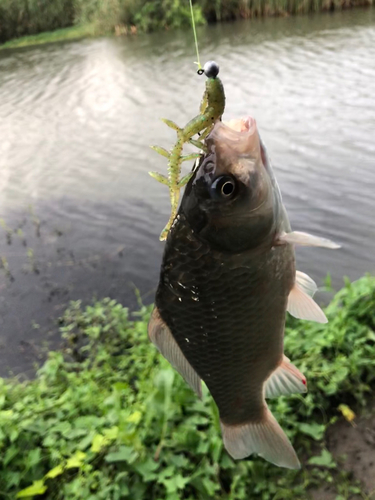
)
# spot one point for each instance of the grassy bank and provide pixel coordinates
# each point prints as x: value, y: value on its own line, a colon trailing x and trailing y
x: 109, y: 419
x: 20, y: 18
x: 72, y: 33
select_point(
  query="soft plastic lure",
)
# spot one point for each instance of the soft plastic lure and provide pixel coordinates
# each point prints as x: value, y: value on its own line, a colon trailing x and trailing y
x: 211, y: 110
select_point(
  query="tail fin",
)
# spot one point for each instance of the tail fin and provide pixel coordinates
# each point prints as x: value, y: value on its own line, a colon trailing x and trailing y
x: 266, y: 438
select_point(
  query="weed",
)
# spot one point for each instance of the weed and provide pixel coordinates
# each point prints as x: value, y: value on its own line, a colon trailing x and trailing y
x: 110, y: 419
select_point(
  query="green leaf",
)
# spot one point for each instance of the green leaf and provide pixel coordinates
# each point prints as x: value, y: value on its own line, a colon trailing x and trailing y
x: 120, y: 386
x: 115, y: 394
x: 328, y: 282
x: 76, y: 461
x: 175, y: 483
x: 56, y: 471
x: 147, y: 469
x: 75, y: 433
x: 33, y: 457
x: 325, y: 459
x: 316, y: 431
x: 178, y: 460
x: 209, y: 486
x: 37, y: 488
x: 11, y: 452
x: 14, y: 433
x: 6, y: 415
x: 227, y: 462
x: 125, y: 454
x: 98, y: 443
x: 135, y: 417
x: 85, y: 442
x: 112, y: 433
x: 203, y: 447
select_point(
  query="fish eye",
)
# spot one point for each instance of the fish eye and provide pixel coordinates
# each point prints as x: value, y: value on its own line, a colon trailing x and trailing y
x: 223, y: 187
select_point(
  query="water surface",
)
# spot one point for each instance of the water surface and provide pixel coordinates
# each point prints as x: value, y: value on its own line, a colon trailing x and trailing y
x: 76, y: 122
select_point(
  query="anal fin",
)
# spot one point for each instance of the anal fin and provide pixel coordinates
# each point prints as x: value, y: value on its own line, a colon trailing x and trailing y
x: 266, y: 438
x: 161, y: 336
x: 286, y: 379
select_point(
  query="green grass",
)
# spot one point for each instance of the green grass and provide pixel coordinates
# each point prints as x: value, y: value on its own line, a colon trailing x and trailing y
x: 72, y: 33
x: 109, y: 419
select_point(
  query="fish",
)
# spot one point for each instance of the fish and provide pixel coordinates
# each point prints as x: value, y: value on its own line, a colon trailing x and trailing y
x: 227, y: 278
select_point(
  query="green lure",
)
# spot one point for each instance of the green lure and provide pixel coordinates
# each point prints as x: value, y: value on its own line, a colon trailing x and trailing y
x: 211, y: 110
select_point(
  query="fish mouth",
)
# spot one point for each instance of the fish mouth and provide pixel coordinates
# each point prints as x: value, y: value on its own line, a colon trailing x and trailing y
x: 238, y: 151
x: 247, y: 124
x: 240, y: 135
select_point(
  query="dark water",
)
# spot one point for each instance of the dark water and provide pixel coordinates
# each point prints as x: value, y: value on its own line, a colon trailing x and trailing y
x: 76, y: 122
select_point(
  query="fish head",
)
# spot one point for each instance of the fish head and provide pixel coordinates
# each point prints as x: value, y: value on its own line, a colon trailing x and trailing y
x: 230, y: 200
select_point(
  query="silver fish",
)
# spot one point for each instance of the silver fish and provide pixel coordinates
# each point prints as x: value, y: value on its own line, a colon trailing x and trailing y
x: 227, y: 279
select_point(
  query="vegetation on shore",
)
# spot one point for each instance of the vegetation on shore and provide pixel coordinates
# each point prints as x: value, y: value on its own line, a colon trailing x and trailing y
x: 71, y: 33
x: 20, y: 18
x: 110, y: 419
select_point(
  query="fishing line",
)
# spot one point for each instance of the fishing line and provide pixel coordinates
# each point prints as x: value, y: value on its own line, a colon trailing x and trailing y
x: 200, y: 69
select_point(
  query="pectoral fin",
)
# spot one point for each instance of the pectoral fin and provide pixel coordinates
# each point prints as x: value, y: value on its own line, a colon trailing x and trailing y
x: 307, y: 240
x: 161, y: 336
x: 286, y: 379
x: 300, y: 302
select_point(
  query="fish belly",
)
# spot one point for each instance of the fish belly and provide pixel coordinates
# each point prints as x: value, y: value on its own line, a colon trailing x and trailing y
x: 227, y: 314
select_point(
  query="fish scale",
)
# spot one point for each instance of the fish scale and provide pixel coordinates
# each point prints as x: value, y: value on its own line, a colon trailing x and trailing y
x: 240, y: 316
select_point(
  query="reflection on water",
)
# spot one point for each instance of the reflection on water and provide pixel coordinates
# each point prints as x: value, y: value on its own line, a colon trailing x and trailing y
x: 76, y: 122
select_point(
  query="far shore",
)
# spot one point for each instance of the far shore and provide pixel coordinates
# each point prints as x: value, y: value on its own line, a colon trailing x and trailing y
x: 71, y: 33
x: 91, y: 30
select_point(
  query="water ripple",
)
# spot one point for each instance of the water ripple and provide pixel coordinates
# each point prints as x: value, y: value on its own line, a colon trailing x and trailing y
x: 77, y: 119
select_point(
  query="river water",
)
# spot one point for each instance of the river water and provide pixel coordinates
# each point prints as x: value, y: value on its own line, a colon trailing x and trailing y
x: 80, y: 215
